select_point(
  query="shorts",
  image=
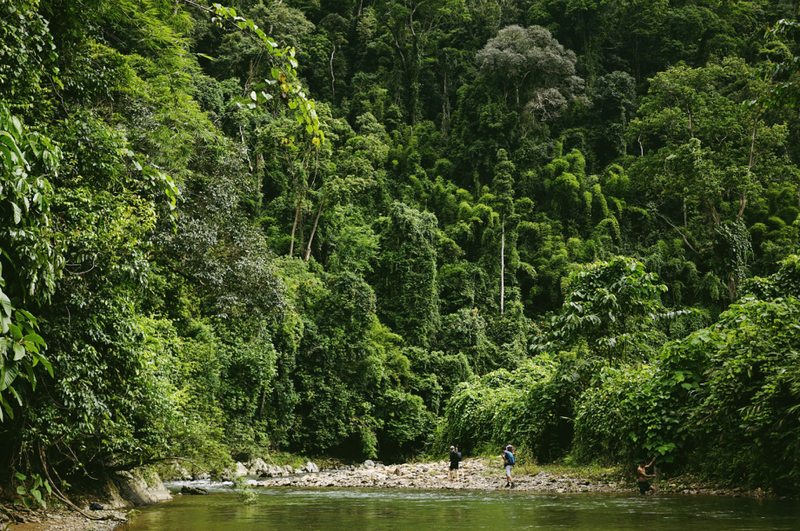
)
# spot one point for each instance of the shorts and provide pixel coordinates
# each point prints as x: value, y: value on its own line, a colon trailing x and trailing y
x: 508, y: 470
x: 644, y: 486
x: 453, y: 466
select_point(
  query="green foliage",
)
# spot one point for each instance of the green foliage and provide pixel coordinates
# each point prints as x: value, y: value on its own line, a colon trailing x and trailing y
x: 222, y: 266
x: 745, y: 422
x: 30, y: 259
x: 611, y: 305
x: 784, y: 283
x: 36, y: 492
x: 528, y: 407
x: 631, y: 412
x: 408, y: 291
x: 244, y: 493
x: 27, y: 49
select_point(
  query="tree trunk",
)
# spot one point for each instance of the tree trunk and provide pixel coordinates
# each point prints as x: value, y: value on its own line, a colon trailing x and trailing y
x: 294, y: 226
x: 333, y: 78
x: 314, y: 230
x: 503, y: 268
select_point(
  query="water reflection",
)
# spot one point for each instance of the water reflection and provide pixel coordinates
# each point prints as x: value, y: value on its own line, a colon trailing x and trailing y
x: 399, y: 510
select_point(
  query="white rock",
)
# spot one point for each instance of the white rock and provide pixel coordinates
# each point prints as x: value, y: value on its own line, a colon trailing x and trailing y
x: 240, y: 470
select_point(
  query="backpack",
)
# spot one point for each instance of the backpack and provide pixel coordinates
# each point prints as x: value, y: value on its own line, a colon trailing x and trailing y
x: 509, y: 457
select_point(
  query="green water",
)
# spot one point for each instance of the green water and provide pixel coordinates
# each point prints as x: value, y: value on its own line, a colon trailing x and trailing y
x: 402, y: 510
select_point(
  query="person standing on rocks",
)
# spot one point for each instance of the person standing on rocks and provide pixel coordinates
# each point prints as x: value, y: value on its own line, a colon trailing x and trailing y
x: 644, y: 485
x: 455, y: 458
x: 508, y: 463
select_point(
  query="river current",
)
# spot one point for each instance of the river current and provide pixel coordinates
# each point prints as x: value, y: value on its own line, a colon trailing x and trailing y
x: 288, y: 509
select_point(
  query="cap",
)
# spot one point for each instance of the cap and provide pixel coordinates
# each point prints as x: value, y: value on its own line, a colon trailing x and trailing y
x: 509, y: 447
x: 452, y: 447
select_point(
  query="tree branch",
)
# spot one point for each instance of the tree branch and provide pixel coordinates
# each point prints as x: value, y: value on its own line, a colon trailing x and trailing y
x: 681, y: 233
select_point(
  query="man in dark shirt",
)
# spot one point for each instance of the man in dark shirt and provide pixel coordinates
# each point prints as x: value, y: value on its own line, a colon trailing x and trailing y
x: 455, y: 458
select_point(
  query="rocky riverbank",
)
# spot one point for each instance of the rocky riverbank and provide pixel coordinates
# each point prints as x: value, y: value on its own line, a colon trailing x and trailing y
x: 474, y: 474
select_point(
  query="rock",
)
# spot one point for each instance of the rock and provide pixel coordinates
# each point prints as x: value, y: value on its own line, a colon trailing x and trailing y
x: 240, y: 470
x: 201, y: 477
x: 311, y: 468
x: 369, y: 464
x: 195, y: 491
x: 288, y: 470
x: 95, y: 506
x: 257, y: 466
x: 135, y: 487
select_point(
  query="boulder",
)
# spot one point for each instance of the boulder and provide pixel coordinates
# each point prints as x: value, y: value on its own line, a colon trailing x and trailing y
x: 177, y: 471
x: 369, y: 464
x: 288, y: 470
x: 311, y: 468
x: 195, y: 491
x: 135, y: 487
x: 257, y: 466
x: 241, y: 470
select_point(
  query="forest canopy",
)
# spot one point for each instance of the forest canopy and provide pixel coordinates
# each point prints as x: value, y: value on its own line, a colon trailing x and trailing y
x: 374, y: 229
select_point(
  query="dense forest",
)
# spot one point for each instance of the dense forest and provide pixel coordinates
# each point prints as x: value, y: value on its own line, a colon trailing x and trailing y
x: 371, y: 229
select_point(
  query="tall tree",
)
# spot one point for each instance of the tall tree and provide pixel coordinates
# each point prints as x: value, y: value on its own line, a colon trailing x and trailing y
x: 503, y: 187
x: 412, y: 25
x: 535, y: 71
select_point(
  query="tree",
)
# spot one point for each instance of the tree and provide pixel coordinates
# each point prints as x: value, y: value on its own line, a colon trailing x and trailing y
x: 503, y: 185
x: 406, y: 275
x: 534, y: 68
x: 704, y: 157
x: 411, y: 25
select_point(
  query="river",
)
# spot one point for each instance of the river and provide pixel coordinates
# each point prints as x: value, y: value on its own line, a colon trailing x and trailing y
x: 288, y: 509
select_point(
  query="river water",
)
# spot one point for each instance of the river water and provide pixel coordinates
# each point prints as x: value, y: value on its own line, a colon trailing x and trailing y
x: 289, y: 509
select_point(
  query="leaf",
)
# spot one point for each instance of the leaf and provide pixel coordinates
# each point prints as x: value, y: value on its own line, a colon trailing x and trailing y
x: 5, y: 302
x: 19, y: 352
x: 7, y: 407
x: 46, y: 363
x: 35, y: 338
x: 31, y: 376
x: 7, y: 375
x: 16, y: 333
x: 17, y: 213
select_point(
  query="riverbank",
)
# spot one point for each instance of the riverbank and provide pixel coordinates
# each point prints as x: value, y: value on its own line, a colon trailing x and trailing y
x: 479, y: 474
x: 486, y: 475
x: 66, y: 520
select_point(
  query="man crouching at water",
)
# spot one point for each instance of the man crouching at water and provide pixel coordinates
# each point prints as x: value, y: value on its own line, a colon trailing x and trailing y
x: 644, y: 485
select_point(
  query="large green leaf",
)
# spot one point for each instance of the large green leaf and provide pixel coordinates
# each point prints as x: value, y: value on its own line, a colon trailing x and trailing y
x: 5, y: 303
x: 19, y: 352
